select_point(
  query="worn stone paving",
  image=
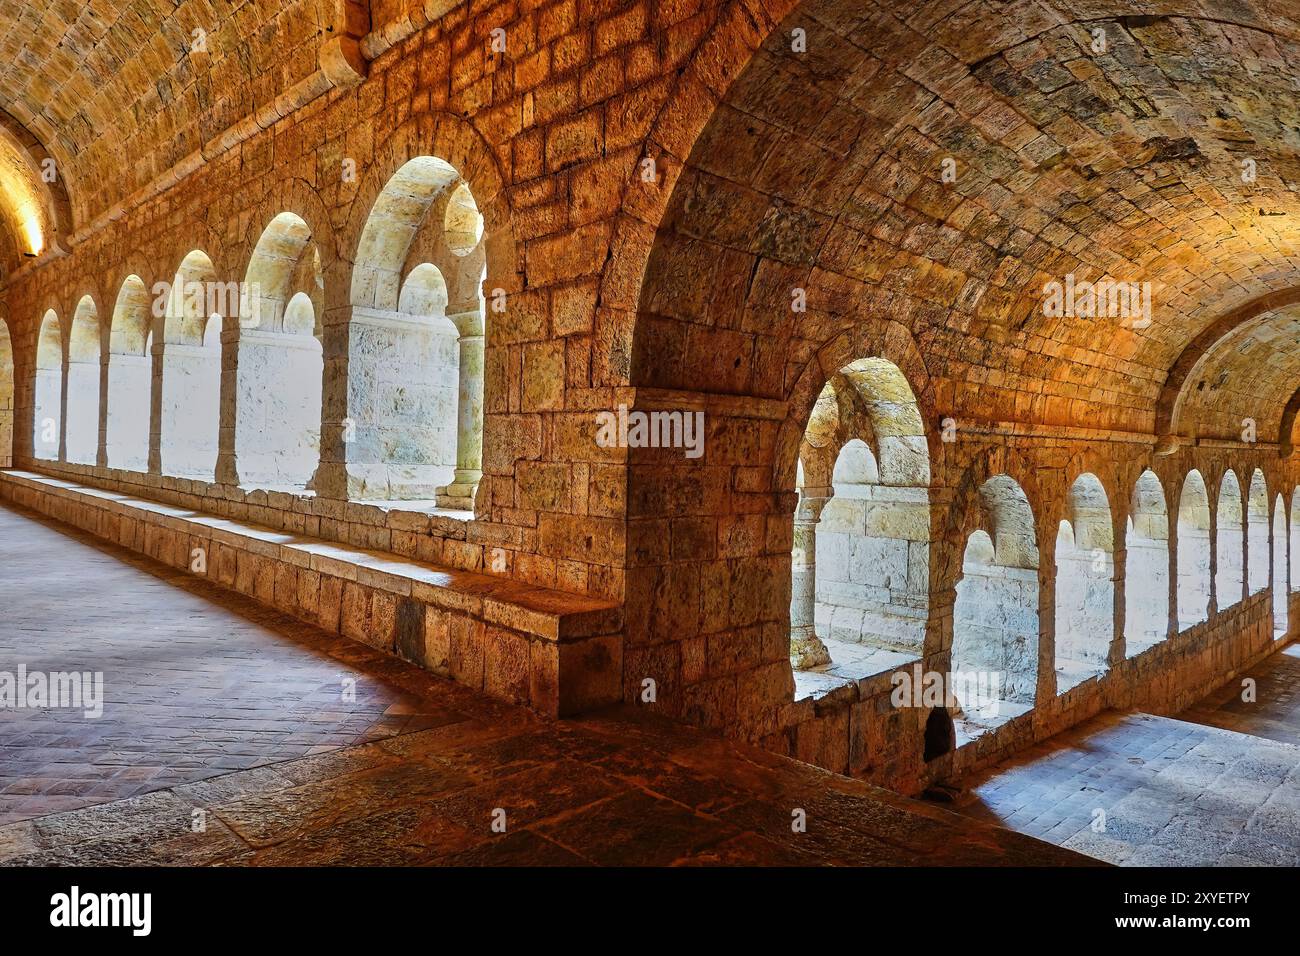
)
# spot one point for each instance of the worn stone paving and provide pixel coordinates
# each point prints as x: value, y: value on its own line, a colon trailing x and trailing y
x: 1139, y: 790
x: 227, y: 740
x: 1274, y: 708
x: 191, y: 690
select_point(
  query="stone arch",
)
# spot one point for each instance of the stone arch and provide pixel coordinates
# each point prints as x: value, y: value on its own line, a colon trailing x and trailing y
x: 1257, y: 534
x: 417, y: 409
x: 1229, y: 542
x: 996, y: 614
x: 1286, y: 430
x: 59, y: 203
x: 47, y: 404
x: 279, y: 365
x: 424, y: 292
x: 855, y: 467
x: 83, y: 383
x: 298, y: 197
x: 968, y: 512
x: 355, y: 468
x: 453, y: 140
x: 867, y: 523
x: 1194, y: 588
x: 1173, y: 392
x: 300, y: 316
x: 144, y: 267
x: 1085, y: 590
x: 192, y: 297
x: 190, y: 394
x: 1146, y: 569
x: 887, y: 342
x: 462, y: 222
x: 130, y: 377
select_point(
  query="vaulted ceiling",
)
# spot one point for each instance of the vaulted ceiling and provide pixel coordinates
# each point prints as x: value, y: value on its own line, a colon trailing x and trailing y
x: 118, y: 91
x: 1161, y: 148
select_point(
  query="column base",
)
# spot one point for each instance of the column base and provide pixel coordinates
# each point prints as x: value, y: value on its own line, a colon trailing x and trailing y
x: 807, y: 651
x: 226, y: 471
x: 461, y: 492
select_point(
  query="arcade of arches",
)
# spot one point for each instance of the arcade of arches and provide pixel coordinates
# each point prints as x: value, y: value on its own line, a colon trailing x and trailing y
x: 346, y: 331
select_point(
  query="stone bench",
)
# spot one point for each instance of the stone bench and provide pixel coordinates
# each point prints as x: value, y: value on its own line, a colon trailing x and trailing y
x: 556, y: 652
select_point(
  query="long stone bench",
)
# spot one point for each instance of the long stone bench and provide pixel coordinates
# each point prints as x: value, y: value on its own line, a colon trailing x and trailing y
x: 556, y: 652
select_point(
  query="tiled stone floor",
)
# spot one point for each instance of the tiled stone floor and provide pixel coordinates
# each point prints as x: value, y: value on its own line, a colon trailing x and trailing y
x: 1275, y: 711
x: 1173, y: 793
x: 227, y: 740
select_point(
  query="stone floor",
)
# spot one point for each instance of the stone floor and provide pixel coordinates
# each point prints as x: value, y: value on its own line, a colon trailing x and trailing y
x: 1273, y: 713
x: 192, y: 690
x: 227, y: 738
x: 1139, y: 790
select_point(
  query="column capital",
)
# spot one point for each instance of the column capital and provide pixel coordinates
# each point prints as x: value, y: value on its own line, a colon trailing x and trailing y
x: 809, y: 509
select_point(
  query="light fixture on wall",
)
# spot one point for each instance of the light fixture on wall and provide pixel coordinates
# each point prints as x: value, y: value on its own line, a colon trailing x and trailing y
x: 35, y: 239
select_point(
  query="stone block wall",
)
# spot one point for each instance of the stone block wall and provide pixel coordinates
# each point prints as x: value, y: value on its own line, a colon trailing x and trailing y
x: 872, y: 560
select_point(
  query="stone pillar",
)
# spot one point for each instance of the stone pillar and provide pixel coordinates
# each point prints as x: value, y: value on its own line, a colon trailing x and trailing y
x: 469, y: 415
x: 331, y: 479
x: 156, y: 400
x: 101, y: 445
x: 1045, y: 678
x: 1212, y: 606
x: 63, y: 409
x: 1119, y: 591
x: 807, y: 650
x: 226, y: 471
x: 8, y: 399
x: 1171, y: 556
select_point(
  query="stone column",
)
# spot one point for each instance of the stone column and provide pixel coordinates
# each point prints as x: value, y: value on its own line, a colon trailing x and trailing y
x: 336, y: 429
x: 1171, y: 557
x: 226, y: 470
x: 63, y: 408
x: 156, y: 398
x: 1045, y: 678
x: 807, y: 650
x: 8, y: 400
x: 101, y: 446
x: 1212, y: 604
x: 469, y: 415
x: 1119, y: 592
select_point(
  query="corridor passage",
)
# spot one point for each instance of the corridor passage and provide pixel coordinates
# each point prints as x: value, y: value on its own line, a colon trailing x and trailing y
x: 1218, y: 786
x: 197, y: 682
x: 229, y: 735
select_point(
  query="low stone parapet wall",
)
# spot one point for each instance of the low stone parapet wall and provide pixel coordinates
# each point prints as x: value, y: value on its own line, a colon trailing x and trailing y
x: 556, y: 652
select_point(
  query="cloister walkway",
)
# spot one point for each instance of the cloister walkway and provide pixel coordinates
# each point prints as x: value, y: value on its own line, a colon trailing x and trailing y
x: 1220, y: 785
x: 233, y: 734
